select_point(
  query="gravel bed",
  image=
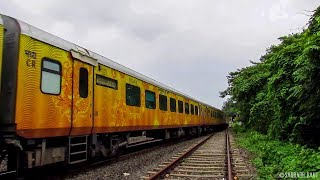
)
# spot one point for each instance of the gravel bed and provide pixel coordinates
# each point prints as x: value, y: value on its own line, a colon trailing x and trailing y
x: 3, y: 165
x: 136, y: 166
x: 245, y: 155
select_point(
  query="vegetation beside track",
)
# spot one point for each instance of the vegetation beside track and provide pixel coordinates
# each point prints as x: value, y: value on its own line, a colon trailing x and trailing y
x: 279, y: 94
x: 272, y: 157
x: 277, y: 101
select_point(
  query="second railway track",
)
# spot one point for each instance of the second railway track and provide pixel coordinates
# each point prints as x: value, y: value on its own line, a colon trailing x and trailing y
x: 212, y: 158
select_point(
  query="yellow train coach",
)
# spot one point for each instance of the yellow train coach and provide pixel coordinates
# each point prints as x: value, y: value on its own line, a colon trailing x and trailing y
x: 63, y: 103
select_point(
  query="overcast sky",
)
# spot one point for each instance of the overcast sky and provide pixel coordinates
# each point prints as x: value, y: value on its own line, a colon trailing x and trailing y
x: 188, y: 45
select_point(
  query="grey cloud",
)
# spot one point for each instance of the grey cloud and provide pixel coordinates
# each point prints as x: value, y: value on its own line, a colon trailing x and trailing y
x: 189, y: 45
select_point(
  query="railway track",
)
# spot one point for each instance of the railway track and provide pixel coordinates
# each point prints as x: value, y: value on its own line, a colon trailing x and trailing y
x: 212, y: 158
x: 7, y: 174
x: 56, y: 172
x: 4, y: 172
x: 136, y: 148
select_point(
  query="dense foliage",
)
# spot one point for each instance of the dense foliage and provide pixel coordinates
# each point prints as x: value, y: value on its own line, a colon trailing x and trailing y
x: 280, y: 95
x: 273, y: 158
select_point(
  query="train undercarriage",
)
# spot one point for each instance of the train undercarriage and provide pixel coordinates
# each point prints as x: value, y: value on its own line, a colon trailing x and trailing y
x: 19, y: 155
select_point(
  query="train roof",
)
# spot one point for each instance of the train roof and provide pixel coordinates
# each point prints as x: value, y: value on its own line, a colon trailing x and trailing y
x: 46, y: 37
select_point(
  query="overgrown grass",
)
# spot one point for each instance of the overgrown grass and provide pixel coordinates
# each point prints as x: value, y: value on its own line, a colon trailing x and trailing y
x: 273, y: 158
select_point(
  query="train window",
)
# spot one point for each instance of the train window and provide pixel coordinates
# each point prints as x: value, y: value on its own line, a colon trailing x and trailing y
x: 50, y: 76
x: 150, y: 99
x: 211, y: 114
x: 192, y: 109
x: 132, y: 95
x: 173, y: 105
x: 163, y: 102
x: 83, y: 82
x: 107, y: 82
x: 186, y: 108
x: 180, y: 106
x: 196, y: 109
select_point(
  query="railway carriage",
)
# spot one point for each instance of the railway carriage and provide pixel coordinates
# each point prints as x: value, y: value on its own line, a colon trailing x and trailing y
x: 63, y: 103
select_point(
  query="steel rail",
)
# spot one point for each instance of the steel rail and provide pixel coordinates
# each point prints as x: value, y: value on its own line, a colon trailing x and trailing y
x: 75, y: 170
x: 230, y: 176
x: 7, y: 174
x: 173, y: 164
x: 144, y: 148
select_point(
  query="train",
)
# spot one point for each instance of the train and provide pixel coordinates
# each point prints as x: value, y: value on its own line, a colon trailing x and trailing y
x: 62, y: 103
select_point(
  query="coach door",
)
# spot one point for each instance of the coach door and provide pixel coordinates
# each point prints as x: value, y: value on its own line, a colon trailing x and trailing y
x: 203, y: 121
x: 82, y: 100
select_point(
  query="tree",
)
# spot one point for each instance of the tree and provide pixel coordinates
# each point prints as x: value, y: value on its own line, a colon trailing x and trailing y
x: 279, y: 95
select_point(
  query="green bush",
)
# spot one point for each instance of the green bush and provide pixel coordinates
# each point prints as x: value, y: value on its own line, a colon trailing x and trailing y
x: 238, y: 128
x: 278, y: 95
x: 272, y: 157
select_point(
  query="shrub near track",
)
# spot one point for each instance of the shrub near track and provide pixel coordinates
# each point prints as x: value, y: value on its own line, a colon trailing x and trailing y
x: 273, y: 158
x: 279, y: 95
x: 277, y: 99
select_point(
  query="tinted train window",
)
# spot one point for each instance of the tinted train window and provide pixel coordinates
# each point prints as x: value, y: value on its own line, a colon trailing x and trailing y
x: 50, y: 76
x: 186, y: 108
x: 192, y: 109
x: 83, y: 82
x: 163, y: 102
x: 150, y: 100
x: 180, y: 106
x: 107, y: 82
x: 173, y: 105
x: 132, y: 95
x: 196, y: 109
